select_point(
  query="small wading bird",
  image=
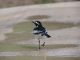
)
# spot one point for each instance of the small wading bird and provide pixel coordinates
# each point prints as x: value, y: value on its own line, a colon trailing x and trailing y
x: 40, y: 30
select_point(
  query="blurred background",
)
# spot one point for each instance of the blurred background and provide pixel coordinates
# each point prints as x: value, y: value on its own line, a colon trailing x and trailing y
x: 12, y: 3
x: 61, y: 18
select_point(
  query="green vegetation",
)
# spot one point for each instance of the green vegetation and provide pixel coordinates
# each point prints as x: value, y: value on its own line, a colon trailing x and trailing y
x: 63, y: 58
x: 44, y: 1
x: 14, y: 37
x: 22, y: 31
x: 57, y: 46
x: 56, y: 25
x: 16, y: 47
x: 27, y: 47
x: 28, y: 26
x: 11, y: 3
x: 39, y: 58
x: 23, y: 27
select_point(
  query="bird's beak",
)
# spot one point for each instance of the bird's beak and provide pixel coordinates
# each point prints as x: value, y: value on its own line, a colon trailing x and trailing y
x: 34, y: 22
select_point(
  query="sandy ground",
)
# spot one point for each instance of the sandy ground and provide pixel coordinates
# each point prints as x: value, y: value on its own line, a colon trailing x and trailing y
x: 62, y: 36
x: 61, y: 12
x: 63, y: 52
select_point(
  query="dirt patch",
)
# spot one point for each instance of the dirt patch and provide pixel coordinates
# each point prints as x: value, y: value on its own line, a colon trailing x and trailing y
x: 37, y: 17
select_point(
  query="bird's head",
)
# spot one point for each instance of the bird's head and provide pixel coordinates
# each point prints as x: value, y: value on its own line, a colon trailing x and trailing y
x: 37, y: 23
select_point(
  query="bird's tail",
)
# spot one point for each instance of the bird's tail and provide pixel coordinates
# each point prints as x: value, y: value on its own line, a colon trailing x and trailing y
x: 48, y: 36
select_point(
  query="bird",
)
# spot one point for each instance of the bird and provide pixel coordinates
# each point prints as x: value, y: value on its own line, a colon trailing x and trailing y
x: 39, y: 29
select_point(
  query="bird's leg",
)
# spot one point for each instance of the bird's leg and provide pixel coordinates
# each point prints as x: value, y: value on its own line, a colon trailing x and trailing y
x: 43, y: 44
x: 39, y: 42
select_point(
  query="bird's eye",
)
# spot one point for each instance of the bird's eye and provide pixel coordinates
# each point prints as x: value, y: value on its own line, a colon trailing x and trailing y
x: 37, y: 23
